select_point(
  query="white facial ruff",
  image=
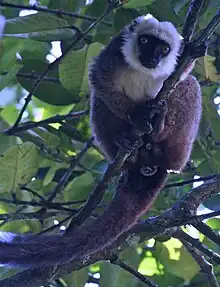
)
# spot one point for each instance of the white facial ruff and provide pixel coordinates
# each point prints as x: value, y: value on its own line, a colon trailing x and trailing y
x: 162, y: 30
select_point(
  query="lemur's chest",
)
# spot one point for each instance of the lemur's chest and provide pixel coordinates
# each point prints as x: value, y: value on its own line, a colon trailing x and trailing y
x: 136, y: 85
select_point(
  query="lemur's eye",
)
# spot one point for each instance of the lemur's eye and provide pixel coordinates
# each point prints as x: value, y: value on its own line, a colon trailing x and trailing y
x: 165, y: 50
x: 144, y: 39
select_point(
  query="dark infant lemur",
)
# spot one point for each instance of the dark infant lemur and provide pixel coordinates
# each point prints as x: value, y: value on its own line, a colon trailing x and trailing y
x: 124, y: 81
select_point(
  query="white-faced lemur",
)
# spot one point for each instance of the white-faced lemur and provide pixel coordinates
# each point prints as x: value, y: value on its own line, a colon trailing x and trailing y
x: 124, y: 81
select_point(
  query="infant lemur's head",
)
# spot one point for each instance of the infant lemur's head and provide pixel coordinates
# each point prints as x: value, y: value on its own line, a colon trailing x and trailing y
x: 151, y: 46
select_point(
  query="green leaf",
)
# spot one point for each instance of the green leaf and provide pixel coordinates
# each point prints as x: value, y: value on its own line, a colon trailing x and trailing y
x: 77, y: 278
x: 20, y: 226
x: 50, y: 92
x: 172, y: 252
x: 123, y: 17
x: 164, y: 10
x: 213, y: 203
x: 48, y: 137
x: 167, y: 279
x: 113, y: 276
x: 34, y: 23
x: 214, y: 223
x: 73, y: 69
x: 49, y: 151
x: 11, y: 75
x: 79, y: 188
x: 108, y: 274
x: 100, y: 167
x: 211, y: 72
x: 40, y: 26
x: 210, y: 110
x: 5, y: 141
x: 9, y: 114
x: 96, y: 8
x: 11, y: 47
x: 149, y: 266
x: 91, y: 158
x: 137, y: 3
x: 49, y: 176
x: 17, y: 166
x: 66, y: 5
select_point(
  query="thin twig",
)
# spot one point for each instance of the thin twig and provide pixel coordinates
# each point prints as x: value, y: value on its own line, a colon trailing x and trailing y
x: 33, y: 192
x: 208, y: 83
x: 117, y: 261
x: 207, y: 231
x: 56, y: 119
x: 206, y: 267
x: 42, y: 204
x: 52, y: 11
x: 32, y: 215
x: 215, y: 257
x: 80, y: 35
x: 65, y: 178
x: 34, y: 76
x: 208, y: 215
x: 208, y: 30
x: 190, y: 181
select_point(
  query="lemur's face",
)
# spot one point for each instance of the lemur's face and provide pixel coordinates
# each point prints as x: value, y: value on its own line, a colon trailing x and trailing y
x: 152, y: 50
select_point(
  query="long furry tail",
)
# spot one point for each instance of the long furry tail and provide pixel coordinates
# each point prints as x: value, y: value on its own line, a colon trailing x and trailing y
x: 135, y: 196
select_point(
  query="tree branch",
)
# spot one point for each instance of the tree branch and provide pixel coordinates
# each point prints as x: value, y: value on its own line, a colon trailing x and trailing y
x: 188, y: 53
x: 97, y: 194
x: 198, y: 245
x: 191, y: 20
x: 206, y: 267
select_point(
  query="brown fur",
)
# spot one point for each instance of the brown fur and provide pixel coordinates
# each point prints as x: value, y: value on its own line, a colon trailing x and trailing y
x: 110, y: 109
x: 111, y: 102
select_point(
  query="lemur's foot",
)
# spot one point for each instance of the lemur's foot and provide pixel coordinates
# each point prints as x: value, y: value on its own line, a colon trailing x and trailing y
x: 158, y: 115
x: 149, y: 117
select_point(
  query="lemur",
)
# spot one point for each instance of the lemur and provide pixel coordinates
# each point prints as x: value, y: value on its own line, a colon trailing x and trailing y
x: 124, y: 81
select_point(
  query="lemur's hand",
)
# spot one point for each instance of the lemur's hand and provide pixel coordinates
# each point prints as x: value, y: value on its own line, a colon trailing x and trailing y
x: 129, y: 140
x: 149, y: 117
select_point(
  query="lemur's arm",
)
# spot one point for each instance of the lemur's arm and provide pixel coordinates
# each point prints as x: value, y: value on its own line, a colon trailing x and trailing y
x: 102, y: 74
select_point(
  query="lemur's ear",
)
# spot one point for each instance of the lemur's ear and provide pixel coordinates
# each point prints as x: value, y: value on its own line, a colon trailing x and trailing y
x: 133, y: 25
